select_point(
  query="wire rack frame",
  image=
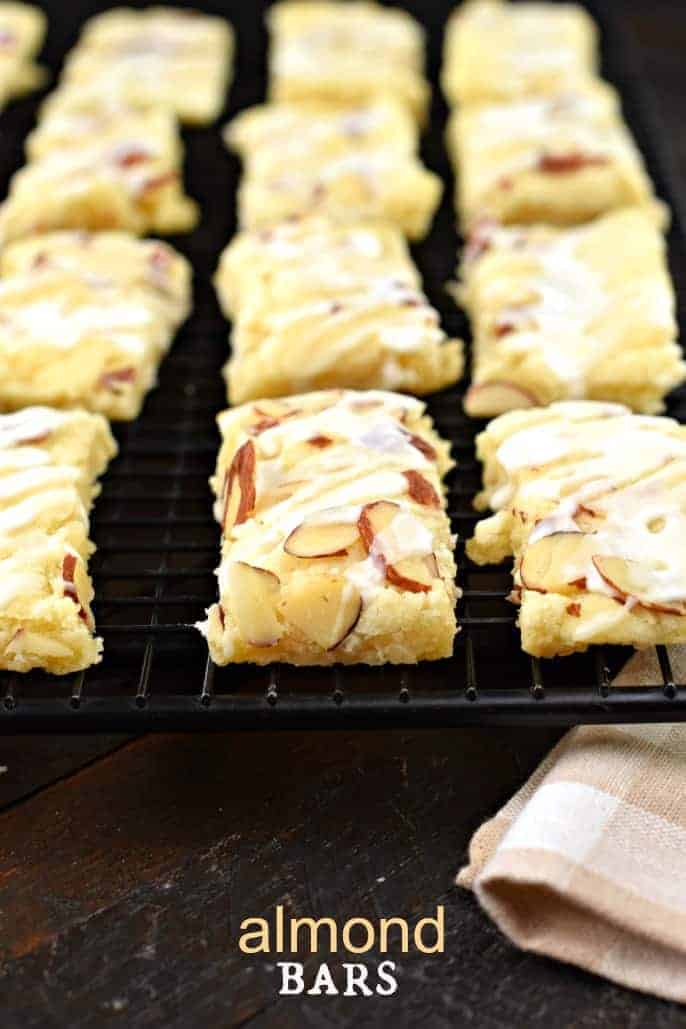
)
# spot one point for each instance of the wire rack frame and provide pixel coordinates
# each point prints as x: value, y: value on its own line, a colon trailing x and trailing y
x: 158, y: 546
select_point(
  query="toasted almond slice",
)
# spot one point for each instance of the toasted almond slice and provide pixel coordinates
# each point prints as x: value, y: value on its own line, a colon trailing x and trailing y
x: 374, y: 518
x: 556, y: 563
x: 415, y: 574
x: 421, y: 490
x: 488, y: 399
x: 276, y: 409
x: 587, y: 519
x: 321, y: 539
x: 421, y: 445
x: 269, y: 413
x: 239, y: 490
x: 257, y: 428
x: 117, y: 380
x: 71, y: 572
x: 253, y: 599
x: 325, y: 608
x: 633, y: 580
x: 570, y: 162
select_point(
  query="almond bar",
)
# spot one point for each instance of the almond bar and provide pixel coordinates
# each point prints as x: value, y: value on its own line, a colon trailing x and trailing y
x: 318, y: 304
x: 566, y: 314
x: 590, y: 500
x: 348, y: 163
x: 49, y: 463
x: 177, y: 58
x: 346, y: 53
x: 22, y: 30
x: 86, y: 319
x: 562, y: 159
x: 336, y: 545
x: 125, y: 176
x: 497, y: 51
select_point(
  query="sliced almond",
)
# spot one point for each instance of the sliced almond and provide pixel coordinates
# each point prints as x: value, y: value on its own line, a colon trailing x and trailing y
x: 38, y: 437
x: 239, y: 490
x: 253, y: 599
x: 374, y: 519
x: 129, y: 156
x: 277, y: 409
x: 421, y: 490
x: 422, y: 446
x: 566, y: 164
x: 115, y: 381
x: 415, y: 574
x: 488, y: 399
x: 262, y: 426
x: 321, y: 539
x: 325, y: 608
x: 269, y: 413
x: 480, y: 240
x: 70, y: 573
x: 556, y: 563
x: 586, y: 518
x: 632, y: 580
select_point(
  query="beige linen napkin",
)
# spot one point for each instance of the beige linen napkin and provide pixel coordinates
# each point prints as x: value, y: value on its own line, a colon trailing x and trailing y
x: 587, y: 862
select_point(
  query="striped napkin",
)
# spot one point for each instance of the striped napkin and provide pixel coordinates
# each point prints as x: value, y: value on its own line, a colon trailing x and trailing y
x: 587, y: 862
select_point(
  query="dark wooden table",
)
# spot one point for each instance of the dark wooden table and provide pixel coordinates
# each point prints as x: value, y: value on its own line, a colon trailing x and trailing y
x: 127, y: 865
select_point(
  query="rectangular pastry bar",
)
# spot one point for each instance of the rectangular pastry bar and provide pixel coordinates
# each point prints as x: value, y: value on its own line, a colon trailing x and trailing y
x: 175, y: 57
x: 497, y: 51
x: 49, y: 463
x: 346, y: 53
x: 563, y: 159
x: 336, y: 546
x: 345, y: 162
x: 582, y: 313
x: 70, y: 113
x: 318, y: 304
x: 85, y: 320
x: 127, y: 178
x: 591, y: 501
x: 22, y: 30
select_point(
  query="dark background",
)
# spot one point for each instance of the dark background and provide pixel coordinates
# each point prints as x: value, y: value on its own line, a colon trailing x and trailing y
x: 127, y: 864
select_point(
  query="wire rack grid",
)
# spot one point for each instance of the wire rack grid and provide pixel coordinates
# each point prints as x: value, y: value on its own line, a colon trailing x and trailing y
x: 158, y: 545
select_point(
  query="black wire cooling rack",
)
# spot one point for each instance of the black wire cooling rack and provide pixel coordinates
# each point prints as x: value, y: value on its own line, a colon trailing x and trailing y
x: 158, y: 546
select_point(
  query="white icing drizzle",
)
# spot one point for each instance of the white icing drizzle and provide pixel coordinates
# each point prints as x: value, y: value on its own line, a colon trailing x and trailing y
x: 564, y: 302
x: 29, y: 424
x: 578, y: 122
x: 366, y: 461
x: 58, y: 323
x: 627, y: 475
x: 406, y: 536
